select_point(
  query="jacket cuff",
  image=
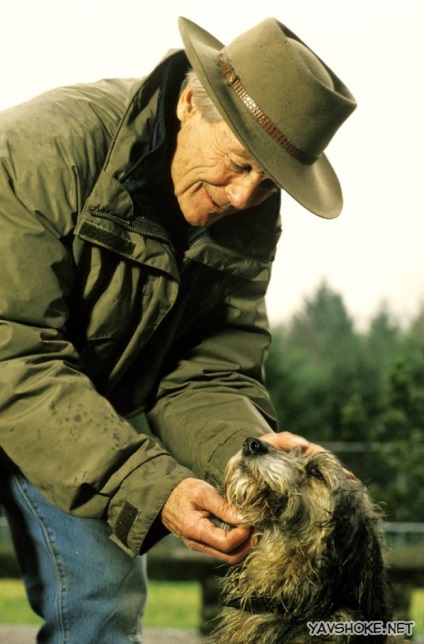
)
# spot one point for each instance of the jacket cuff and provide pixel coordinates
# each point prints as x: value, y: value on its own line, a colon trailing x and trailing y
x: 134, y: 513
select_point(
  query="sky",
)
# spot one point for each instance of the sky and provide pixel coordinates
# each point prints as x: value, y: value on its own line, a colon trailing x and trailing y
x: 372, y: 255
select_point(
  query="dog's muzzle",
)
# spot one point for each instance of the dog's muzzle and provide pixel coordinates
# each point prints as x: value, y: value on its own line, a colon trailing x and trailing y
x: 254, y: 447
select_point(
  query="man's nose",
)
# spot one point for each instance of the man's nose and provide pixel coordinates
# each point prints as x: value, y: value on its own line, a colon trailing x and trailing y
x: 241, y: 192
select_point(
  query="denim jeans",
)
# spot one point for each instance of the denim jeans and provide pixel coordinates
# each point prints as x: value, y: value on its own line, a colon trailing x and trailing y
x: 85, y: 588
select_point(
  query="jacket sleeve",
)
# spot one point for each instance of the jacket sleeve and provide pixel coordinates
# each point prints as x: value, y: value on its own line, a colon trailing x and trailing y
x: 214, y: 396
x: 54, y: 426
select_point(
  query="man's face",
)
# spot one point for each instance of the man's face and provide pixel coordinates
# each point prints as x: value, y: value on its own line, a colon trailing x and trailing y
x: 213, y: 175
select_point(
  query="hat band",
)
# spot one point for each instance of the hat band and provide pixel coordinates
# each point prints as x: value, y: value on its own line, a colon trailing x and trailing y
x: 233, y: 81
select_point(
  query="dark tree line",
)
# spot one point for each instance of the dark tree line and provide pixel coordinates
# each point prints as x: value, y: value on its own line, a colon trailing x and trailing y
x: 332, y: 383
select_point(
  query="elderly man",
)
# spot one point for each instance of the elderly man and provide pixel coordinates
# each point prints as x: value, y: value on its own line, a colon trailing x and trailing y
x: 138, y: 223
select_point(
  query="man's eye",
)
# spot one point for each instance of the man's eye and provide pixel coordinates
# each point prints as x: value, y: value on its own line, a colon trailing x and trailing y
x: 240, y: 167
x: 245, y: 168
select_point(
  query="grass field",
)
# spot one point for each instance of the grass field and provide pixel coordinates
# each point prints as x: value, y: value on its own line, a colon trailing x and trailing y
x: 418, y: 611
x: 171, y: 605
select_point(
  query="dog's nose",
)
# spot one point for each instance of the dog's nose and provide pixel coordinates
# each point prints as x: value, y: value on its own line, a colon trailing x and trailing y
x: 253, y: 446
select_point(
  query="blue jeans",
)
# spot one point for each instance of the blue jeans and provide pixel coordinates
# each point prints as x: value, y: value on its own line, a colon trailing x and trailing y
x: 86, y: 589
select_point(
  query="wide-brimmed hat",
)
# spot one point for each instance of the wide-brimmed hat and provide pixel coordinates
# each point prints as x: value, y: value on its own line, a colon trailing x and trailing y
x: 281, y: 101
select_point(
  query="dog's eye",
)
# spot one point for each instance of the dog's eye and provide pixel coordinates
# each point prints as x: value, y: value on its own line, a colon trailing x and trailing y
x: 314, y: 471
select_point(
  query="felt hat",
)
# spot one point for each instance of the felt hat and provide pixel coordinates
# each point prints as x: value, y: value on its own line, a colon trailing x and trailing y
x: 281, y: 101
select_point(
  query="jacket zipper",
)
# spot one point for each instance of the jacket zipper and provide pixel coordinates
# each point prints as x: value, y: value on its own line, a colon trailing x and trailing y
x: 149, y: 229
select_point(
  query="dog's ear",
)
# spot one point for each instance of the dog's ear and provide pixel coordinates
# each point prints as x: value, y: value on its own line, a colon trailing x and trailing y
x: 354, y: 555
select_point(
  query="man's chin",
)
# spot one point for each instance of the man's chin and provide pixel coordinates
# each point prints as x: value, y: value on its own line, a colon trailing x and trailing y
x: 204, y: 220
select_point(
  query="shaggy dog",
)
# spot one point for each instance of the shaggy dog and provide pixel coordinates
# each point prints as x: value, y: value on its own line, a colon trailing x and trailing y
x: 316, y: 555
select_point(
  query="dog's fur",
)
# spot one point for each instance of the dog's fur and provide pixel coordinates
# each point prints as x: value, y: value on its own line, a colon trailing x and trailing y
x: 316, y: 555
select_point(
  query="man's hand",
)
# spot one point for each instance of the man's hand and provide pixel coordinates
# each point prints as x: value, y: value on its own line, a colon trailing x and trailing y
x: 187, y: 514
x: 287, y: 441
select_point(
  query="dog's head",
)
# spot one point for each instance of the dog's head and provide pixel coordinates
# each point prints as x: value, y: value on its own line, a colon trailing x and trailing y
x: 274, y: 487
x: 319, y: 523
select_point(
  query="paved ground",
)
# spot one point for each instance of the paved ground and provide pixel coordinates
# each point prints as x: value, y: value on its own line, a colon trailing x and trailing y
x: 26, y: 635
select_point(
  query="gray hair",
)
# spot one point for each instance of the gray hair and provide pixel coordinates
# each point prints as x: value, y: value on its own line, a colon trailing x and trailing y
x: 201, y: 98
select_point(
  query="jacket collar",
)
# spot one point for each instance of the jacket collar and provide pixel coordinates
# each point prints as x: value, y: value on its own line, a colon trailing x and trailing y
x: 119, y: 214
x: 138, y: 145
x: 148, y: 180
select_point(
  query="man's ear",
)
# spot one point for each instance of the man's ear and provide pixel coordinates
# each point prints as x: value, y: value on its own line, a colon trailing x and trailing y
x: 186, y: 106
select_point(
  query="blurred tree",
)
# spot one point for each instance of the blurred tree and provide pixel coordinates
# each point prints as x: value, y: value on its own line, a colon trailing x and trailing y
x: 354, y: 417
x: 321, y: 359
x: 296, y: 389
x: 323, y: 327
x: 383, y: 338
x: 329, y: 382
x: 403, y: 451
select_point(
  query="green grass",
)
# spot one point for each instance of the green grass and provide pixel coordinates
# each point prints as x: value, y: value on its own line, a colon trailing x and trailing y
x: 417, y: 610
x: 170, y: 605
x: 174, y: 605
x: 14, y: 608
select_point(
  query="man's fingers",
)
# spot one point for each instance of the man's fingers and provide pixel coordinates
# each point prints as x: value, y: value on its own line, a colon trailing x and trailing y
x: 230, y: 547
x: 220, y: 508
x: 223, y: 540
x: 288, y: 441
x: 187, y: 514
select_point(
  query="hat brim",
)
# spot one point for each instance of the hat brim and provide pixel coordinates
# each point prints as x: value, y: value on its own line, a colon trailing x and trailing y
x: 315, y: 186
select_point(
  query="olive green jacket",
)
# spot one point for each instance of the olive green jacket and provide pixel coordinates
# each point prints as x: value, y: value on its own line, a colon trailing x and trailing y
x: 99, y: 321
